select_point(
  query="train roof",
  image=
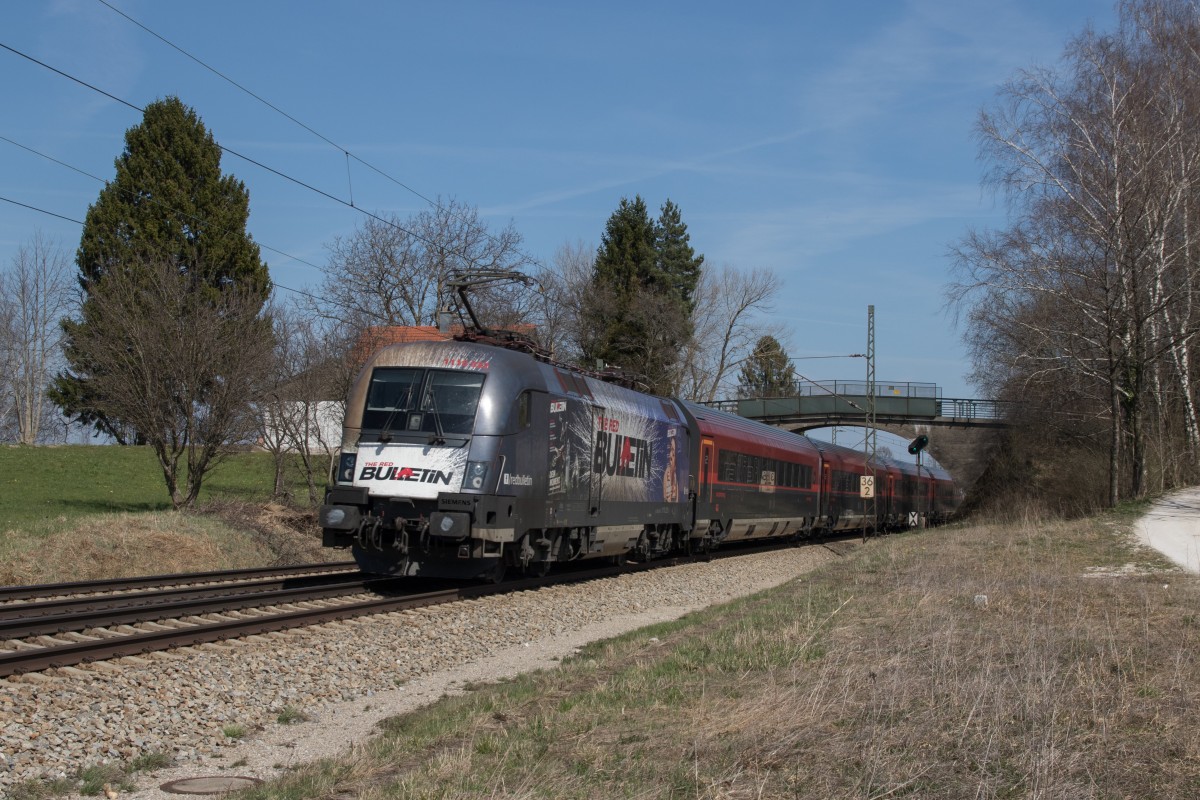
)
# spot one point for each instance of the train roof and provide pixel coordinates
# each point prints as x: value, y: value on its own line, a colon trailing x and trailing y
x: 886, y: 462
x: 711, y: 421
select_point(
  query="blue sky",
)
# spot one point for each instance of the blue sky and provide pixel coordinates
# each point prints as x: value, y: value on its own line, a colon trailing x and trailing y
x: 830, y: 142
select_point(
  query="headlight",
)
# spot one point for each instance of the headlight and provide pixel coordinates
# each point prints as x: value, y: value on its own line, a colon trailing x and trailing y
x: 345, y: 471
x: 476, y: 475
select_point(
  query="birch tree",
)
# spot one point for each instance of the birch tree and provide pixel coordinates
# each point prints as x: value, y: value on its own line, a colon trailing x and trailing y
x: 36, y: 296
x: 1092, y: 285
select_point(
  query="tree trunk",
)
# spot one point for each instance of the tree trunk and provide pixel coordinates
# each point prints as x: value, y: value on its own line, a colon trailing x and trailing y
x: 1114, y: 448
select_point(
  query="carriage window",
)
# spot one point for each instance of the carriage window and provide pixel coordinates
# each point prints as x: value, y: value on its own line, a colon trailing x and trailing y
x: 727, y: 465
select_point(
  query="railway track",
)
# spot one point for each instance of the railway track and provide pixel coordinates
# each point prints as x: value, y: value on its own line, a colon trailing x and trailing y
x: 37, y: 636
x: 25, y: 594
x: 135, y: 627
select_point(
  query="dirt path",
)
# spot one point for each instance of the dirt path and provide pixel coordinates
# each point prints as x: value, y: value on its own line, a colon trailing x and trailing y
x: 1172, y: 527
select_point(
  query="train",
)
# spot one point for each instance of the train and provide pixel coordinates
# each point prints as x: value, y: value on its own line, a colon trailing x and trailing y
x: 465, y: 459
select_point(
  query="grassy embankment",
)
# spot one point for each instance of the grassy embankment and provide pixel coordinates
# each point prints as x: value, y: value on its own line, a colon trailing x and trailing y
x: 887, y: 674
x: 82, y: 512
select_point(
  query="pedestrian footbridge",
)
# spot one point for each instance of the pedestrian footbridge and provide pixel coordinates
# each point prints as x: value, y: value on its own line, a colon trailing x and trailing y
x: 824, y: 404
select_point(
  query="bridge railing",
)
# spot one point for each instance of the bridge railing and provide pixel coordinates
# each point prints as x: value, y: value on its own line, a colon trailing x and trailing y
x: 907, y: 400
x: 964, y: 408
x: 859, y: 389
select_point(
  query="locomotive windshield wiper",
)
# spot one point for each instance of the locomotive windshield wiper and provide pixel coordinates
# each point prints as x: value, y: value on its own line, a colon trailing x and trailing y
x: 385, y: 432
x: 437, y: 418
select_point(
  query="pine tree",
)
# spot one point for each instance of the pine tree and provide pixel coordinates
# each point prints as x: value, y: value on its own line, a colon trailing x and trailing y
x: 626, y: 260
x: 638, y: 311
x: 168, y: 205
x: 678, y: 266
x: 624, y: 263
x: 768, y: 372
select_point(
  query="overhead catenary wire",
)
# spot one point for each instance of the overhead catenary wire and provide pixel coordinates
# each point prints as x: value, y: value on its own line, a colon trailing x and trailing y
x: 390, y: 223
x: 150, y: 200
x: 270, y: 280
x: 41, y: 210
x: 349, y: 155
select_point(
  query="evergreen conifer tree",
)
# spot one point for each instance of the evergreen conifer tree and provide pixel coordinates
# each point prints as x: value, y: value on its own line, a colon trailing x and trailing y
x: 626, y: 260
x: 638, y: 312
x: 169, y: 205
x: 678, y: 265
x: 768, y: 372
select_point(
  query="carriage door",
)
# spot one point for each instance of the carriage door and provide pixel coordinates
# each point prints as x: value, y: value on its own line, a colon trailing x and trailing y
x: 826, y: 490
x: 706, y: 470
x: 596, y: 490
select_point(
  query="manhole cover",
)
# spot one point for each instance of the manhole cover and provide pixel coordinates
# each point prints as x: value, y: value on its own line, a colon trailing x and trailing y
x: 212, y: 784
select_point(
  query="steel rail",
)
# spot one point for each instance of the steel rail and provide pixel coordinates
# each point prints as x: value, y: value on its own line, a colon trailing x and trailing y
x: 166, y: 597
x: 108, y: 617
x: 20, y: 661
x: 32, y: 658
x: 9, y: 593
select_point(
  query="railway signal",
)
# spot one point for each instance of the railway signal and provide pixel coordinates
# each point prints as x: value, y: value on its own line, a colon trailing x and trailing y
x: 918, y: 444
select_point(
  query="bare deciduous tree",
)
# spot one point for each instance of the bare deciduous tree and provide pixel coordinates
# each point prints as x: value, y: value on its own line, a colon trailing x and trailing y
x: 300, y: 411
x: 8, y: 352
x: 179, y: 366
x: 394, y: 271
x: 1089, y: 295
x: 558, y: 313
x: 726, y: 327
x: 33, y: 300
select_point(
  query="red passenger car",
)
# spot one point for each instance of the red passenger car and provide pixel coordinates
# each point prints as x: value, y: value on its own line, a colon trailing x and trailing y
x: 754, y: 481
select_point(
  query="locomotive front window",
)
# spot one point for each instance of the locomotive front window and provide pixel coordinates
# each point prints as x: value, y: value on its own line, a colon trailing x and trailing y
x: 451, y: 399
x: 407, y: 400
x: 393, y: 391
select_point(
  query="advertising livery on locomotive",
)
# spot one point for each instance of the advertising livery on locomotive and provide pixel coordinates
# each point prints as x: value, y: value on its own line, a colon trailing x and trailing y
x: 461, y: 459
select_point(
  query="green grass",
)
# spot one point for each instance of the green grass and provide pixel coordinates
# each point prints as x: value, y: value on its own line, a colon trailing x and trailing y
x: 151, y: 761
x: 88, y: 512
x: 59, y: 484
x: 234, y: 731
x: 93, y: 779
x: 42, y: 789
x: 90, y: 781
x: 290, y: 715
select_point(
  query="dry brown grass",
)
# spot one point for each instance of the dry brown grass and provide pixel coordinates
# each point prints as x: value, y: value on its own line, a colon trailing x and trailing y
x: 879, y: 676
x: 1061, y: 685
x: 125, y: 545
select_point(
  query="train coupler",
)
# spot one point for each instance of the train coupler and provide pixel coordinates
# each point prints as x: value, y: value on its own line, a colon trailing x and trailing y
x: 370, y: 533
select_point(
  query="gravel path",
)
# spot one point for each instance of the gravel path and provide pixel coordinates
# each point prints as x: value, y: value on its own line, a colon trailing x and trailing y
x: 1172, y: 527
x: 346, y: 676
